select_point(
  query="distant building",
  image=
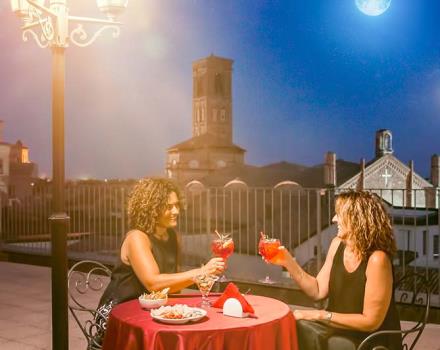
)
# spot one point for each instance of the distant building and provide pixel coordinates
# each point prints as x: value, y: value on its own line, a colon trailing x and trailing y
x: 211, y: 147
x: 211, y: 158
x: 17, y: 172
x: 387, y: 174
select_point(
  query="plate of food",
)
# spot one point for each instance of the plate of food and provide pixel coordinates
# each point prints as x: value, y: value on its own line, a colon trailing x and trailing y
x: 154, y: 299
x: 178, y: 314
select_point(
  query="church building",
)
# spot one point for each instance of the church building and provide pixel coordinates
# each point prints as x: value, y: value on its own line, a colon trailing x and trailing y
x: 387, y: 175
x: 211, y: 146
x: 212, y: 159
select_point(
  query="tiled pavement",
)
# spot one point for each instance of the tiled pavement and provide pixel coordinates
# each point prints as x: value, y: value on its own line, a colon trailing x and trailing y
x: 25, y: 312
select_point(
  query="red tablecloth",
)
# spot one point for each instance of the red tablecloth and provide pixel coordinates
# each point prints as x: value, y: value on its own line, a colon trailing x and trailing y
x: 273, y: 327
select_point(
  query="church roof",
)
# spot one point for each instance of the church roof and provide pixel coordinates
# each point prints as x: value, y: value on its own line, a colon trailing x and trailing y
x: 398, y: 169
x: 213, y: 57
x: 205, y: 141
x: 273, y: 174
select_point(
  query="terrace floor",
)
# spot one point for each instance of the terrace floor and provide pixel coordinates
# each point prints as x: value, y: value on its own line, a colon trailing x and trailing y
x: 25, y: 312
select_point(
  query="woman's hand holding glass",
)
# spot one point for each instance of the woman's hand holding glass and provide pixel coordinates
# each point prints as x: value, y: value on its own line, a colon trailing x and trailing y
x: 282, y: 258
x: 215, y: 266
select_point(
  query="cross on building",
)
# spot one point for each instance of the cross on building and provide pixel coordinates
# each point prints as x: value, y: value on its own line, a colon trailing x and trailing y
x: 386, y: 175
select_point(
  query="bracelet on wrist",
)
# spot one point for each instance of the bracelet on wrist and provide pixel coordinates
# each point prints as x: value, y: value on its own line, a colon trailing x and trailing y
x: 328, y: 316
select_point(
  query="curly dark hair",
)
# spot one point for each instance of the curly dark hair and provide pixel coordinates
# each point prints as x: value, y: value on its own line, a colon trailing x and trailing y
x: 148, y: 201
x: 369, y: 224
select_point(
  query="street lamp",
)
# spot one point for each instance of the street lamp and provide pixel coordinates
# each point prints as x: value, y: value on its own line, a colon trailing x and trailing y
x: 49, y: 26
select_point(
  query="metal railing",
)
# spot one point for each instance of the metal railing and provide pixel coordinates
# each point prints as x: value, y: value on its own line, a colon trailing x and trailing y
x: 299, y: 217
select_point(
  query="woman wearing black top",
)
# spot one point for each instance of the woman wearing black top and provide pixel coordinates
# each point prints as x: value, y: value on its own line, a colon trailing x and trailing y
x: 148, y: 260
x: 357, y: 278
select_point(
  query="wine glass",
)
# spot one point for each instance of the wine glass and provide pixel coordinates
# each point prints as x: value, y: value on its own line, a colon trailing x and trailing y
x: 205, y: 283
x: 268, y: 249
x: 222, y: 247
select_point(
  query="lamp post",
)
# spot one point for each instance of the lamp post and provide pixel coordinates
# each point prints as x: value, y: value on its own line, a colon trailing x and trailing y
x: 50, y: 27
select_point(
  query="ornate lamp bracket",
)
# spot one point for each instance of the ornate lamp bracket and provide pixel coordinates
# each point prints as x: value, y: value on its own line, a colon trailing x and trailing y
x: 53, y: 25
x: 79, y: 35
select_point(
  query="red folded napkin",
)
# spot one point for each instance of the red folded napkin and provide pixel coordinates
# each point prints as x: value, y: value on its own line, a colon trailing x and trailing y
x: 232, y: 291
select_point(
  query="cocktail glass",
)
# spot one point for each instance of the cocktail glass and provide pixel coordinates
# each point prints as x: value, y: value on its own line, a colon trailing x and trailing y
x: 223, y: 248
x: 268, y: 249
x: 205, y: 283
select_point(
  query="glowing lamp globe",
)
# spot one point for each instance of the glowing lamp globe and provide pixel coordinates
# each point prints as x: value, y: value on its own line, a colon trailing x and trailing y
x: 112, y: 8
x: 373, y: 7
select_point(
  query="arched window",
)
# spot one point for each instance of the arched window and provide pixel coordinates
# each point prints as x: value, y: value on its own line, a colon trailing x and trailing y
x: 199, y: 87
x: 195, y: 186
x: 219, y: 85
x: 387, y: 142
x: 222, y: 115
x: 236, y: 184
x: 287, y: 185
x: 193, y: 164
x: 221, y: 163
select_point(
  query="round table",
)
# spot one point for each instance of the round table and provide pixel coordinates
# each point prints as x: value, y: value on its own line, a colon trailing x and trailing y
x: 272, y: 328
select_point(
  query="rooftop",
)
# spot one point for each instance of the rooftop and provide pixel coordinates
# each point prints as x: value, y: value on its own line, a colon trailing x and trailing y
x: 25, y: 312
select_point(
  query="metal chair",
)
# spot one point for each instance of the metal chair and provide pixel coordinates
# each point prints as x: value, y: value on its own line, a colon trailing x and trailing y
x: 412, y: 293
x: 86, y: 282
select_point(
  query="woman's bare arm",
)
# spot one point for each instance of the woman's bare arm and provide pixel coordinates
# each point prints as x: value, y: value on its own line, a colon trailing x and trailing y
x: 314, y: 287
x: 136, y: 251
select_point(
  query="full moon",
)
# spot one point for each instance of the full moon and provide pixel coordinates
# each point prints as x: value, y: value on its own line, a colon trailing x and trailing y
x: 373, y: 7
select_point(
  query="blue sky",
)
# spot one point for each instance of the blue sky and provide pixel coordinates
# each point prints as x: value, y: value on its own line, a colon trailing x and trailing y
x: 309, y: 77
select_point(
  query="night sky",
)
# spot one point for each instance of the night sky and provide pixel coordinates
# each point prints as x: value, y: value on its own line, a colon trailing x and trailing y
x: 309, y: 77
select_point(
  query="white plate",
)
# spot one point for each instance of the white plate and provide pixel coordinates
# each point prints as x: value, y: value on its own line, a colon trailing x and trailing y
x: 203, y: 313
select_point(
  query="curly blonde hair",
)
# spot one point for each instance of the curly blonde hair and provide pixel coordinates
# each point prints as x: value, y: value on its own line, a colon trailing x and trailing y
x: 148, y: 201
x: 369, y: 226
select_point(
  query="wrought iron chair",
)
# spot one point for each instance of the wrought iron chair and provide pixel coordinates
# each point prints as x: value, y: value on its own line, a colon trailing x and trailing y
x: 412, y: 293
x: 86, y: 282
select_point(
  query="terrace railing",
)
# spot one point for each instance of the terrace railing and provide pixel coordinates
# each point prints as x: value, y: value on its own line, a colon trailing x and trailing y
x: 301, y: 218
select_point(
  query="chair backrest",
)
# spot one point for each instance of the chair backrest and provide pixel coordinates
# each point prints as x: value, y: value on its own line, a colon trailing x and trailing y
x: 413, y: 295
x: 86, y: 281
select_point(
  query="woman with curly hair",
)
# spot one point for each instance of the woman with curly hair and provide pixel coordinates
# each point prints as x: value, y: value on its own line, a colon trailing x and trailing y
x: 357, y: 279
x: 148, y: 259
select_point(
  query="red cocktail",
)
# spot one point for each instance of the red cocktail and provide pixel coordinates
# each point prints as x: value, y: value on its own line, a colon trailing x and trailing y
x: 268, y: 249
x: 222, y: 248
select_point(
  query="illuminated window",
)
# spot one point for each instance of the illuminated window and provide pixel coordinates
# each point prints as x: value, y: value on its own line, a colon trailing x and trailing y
x: 25, y: 155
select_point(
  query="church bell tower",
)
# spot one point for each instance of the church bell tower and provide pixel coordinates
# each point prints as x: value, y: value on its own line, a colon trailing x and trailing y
x: 384, y: 142
x: 212, y: 98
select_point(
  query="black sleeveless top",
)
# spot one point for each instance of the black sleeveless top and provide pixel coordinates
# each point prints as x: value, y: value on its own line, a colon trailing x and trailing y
x: 124, y: 284
x: 346, y: 295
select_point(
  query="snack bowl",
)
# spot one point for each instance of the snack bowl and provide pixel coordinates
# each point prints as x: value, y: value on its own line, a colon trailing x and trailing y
x: 152, y: 303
